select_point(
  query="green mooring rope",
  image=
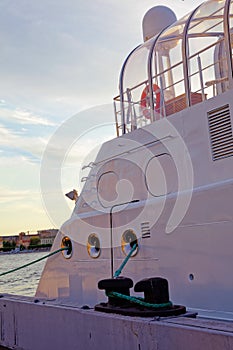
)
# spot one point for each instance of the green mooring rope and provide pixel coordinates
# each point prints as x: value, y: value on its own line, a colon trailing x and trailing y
x: 118, y: 271
x: 134, y: 300
x: 139, y: 301
x: 32, y: 262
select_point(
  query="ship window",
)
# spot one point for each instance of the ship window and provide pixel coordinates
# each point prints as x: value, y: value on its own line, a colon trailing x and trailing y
x: 128, y: 240
x: 189, y: 62
x: 161, y: 175
x: 93, y: 246
x: 118, y: 181
x: 106, y: 188
x: 208, y: 71
x: 168, y: 68
x: 67, y: 245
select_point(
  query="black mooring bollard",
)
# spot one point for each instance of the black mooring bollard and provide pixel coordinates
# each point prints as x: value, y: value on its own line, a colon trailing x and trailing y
x: 120, y: 285
x: 155, y: 290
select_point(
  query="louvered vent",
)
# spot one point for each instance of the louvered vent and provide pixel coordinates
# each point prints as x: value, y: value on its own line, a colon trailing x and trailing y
x: 145, y: 229
x: 220, y: 132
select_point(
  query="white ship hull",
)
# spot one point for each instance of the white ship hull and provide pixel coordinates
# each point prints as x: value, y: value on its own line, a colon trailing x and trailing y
x: 162, y: 191
x: 196, y: 257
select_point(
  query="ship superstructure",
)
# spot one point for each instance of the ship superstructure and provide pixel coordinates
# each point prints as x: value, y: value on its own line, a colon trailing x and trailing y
x: 165, y: 182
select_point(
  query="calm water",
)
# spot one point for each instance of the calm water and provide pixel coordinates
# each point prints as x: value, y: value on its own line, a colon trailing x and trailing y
x: 24, y: 281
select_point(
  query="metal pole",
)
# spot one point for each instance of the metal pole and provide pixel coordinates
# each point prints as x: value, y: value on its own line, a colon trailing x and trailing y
x: 111, y: 228
x: 201, y: 77
x: 121, y: 88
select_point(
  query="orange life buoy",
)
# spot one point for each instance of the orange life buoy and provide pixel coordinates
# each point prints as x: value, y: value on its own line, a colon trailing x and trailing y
x: 144, y: 102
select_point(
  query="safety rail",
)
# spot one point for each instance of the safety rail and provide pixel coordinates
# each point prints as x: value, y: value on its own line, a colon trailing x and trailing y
x: 201, y: 80
x: 190, y: 61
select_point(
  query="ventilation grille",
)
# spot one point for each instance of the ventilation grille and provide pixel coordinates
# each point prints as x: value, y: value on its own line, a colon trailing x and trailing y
x: 220, y: 132
x: 145, y: 229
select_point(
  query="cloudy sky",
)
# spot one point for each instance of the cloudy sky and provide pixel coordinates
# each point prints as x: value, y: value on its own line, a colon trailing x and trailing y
x: 58, y: 58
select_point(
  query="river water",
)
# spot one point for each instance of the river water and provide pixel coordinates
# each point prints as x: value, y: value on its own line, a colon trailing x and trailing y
x: 24, y: 281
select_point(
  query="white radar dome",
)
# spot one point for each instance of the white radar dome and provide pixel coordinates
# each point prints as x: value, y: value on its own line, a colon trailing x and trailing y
x: 155, y: 20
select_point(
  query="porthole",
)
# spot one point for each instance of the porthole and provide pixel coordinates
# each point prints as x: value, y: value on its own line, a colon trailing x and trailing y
x: 128, y: 239
x: 191, y: 276
x: 93, y: 246
x: 66, y: 243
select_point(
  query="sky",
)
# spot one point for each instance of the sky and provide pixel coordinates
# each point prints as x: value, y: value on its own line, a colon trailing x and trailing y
x: 59, y: 59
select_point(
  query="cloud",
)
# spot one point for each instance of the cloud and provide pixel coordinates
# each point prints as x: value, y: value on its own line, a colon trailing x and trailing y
x: 26, y: 117
x: 9, y: 195
x: 58, y: 57
x: 30, y: 147
x: 23, y: 116
x: 21, y: 210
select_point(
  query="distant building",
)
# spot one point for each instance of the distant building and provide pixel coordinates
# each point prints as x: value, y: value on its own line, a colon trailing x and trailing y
x: 25, y: 239
x: 9, y: 239
x: 47, y: 236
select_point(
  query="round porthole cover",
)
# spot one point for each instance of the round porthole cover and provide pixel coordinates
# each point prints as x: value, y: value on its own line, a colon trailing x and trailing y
x: 128, y: 239
x: 66, y: 243
x: 93, y: 246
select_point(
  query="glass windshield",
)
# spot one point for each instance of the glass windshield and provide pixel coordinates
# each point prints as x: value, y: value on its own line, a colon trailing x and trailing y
x: 189, y: 62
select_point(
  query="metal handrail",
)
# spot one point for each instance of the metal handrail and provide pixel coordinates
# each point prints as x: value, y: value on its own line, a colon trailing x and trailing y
x: 190, y: 24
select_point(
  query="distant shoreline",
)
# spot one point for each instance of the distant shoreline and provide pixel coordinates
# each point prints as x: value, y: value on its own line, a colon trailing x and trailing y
x: 26, y: 251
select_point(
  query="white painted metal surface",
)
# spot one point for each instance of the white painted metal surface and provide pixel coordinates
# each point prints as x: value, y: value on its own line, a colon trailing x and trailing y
x: 199, y: 246
x: 167, y: 177
x: 179, y: 169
